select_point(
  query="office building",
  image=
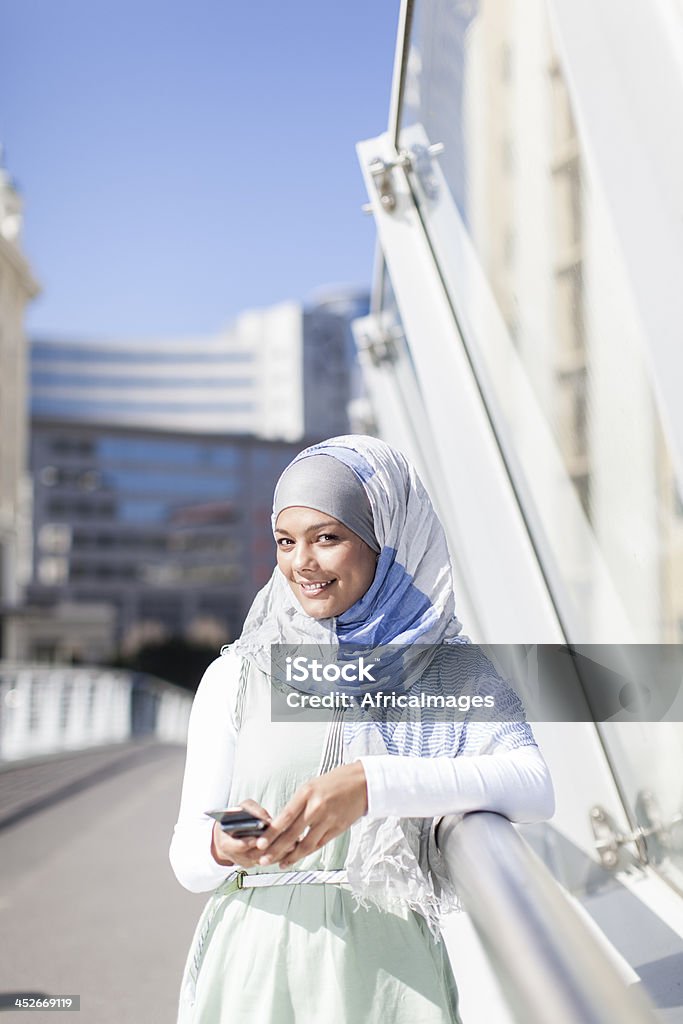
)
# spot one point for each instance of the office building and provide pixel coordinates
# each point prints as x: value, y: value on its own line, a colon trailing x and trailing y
x: 154, y: 462
x: 282, y: 373
x: 170, y: 529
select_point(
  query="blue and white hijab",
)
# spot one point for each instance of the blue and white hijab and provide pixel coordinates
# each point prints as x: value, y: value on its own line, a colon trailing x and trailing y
x: 411, y: 598
x: 391, y: 861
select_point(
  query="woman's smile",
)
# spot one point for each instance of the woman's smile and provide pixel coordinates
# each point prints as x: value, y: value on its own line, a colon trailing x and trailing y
x: 313, y: 589
x: 328, y: 566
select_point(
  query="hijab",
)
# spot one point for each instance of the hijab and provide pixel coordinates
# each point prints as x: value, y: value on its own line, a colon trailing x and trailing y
x: 328, y: 485
x: 410, y: 605
x: 410, y: 600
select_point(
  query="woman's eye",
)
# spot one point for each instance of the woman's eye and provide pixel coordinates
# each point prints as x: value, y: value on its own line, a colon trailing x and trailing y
x: 286, y: 542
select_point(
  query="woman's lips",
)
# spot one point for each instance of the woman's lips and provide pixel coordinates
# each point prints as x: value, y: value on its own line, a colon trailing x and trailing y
x: 316, y: 587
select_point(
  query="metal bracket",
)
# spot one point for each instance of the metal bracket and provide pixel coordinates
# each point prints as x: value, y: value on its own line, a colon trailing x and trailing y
x: 380, y: 345
x: 381, y: 171
x: 381, y: 174
x: 609, y: 841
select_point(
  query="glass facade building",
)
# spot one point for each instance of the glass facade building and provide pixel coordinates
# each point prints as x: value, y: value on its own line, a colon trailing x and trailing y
x: 171, y: 530
x: 281, y: 373
x: 154, y: 462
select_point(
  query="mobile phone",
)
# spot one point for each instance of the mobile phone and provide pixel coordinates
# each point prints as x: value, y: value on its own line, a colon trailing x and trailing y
x: 238, y: 822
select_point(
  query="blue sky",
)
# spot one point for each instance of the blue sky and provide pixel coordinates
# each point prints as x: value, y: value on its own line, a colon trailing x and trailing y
x: 180, y: 162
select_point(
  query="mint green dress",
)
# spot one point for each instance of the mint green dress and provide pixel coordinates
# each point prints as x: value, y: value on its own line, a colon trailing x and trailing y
x: 302, y: 954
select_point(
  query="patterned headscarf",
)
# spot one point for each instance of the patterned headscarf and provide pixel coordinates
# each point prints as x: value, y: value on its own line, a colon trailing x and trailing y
x: 410, y: 604
x: 410, y: 600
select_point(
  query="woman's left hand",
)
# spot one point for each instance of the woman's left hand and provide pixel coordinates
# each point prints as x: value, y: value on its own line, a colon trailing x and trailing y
x: 327, y: 805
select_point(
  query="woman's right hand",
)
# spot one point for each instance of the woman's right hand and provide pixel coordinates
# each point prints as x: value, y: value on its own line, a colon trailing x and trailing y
x: 228, y: 850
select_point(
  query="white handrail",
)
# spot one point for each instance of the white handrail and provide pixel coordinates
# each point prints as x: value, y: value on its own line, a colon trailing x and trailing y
x: 550, y: 965
x: 47, y: 709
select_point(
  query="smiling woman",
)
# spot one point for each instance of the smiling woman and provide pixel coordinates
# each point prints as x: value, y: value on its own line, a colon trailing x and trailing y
x: 352, y: 934
x: 326, y: 564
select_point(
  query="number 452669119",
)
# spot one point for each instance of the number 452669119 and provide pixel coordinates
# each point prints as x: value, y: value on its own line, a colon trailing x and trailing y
x: 48, y: 1003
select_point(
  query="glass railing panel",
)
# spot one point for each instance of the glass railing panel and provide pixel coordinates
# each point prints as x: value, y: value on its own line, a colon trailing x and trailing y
x: 522, y: 234
x: 486, y: 84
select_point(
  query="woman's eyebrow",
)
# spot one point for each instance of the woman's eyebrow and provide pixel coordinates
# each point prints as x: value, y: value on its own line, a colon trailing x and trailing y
x: 322, y: 526
x: 316, y: 526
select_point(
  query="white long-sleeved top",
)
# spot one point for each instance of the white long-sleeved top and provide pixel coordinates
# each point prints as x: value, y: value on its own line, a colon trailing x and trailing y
x: 515, y: 783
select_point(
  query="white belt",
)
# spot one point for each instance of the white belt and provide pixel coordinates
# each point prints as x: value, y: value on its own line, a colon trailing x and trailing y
x: 246, y: 881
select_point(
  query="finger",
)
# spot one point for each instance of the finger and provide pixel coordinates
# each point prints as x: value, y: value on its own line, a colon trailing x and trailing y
x: 249, y: 859
x: 242, y: 845
x: 226, y: 841
x: 238, y: 851
x: 281, y: 847
x: 315, y: 839
x: 291, y: 811
x: 285, y: 820
x: 285, y: 842
x: 237, y: 842
x: 255, y: 809
x: 230, y: 850
x: 265, y: 838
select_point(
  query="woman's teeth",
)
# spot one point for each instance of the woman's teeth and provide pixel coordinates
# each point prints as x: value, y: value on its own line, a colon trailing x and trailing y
x: 314, y: 588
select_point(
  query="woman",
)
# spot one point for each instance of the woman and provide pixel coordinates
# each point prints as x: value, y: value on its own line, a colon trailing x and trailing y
x: 344, y: 927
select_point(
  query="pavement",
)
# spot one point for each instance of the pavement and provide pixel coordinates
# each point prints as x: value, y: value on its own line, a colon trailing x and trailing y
x: 89, y: 905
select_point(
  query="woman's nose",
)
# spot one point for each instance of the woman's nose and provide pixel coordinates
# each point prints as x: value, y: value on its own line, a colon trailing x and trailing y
x: 304, y: 557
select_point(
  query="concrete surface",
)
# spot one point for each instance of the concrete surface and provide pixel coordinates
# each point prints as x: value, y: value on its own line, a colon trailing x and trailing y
x: 89, y: 905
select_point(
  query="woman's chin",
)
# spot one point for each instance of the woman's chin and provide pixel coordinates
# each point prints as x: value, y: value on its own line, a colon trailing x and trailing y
x: 318, y: 611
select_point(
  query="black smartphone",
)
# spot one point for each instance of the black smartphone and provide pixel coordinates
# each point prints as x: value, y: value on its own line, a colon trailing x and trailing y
x: 238, y: 822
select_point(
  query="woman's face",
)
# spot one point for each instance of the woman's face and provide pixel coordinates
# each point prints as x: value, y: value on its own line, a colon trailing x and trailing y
x: 327, y: 566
